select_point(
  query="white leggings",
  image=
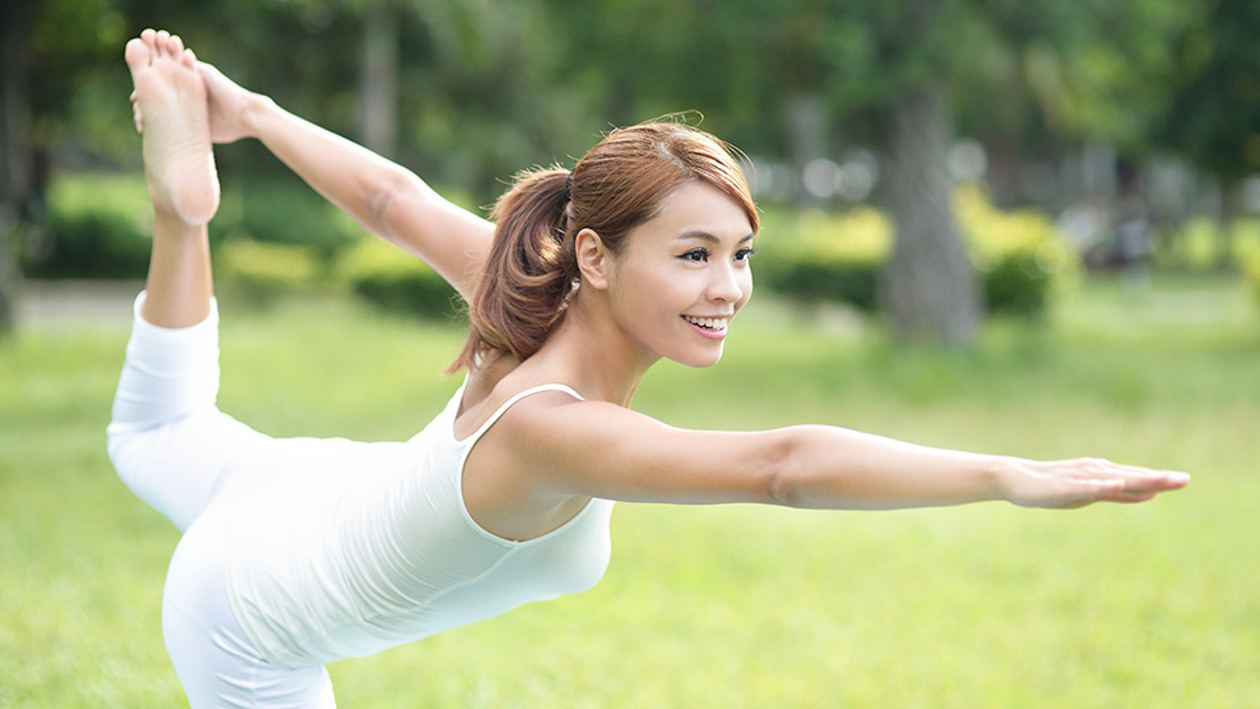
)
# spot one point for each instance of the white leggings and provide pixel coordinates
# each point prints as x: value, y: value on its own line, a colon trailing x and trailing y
x: 171, y: 446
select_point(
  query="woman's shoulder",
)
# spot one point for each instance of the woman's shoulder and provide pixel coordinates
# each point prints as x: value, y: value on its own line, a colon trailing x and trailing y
x: 496, y: 385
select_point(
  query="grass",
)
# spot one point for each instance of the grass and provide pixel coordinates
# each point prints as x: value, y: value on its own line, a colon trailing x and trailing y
x: 734, y: 606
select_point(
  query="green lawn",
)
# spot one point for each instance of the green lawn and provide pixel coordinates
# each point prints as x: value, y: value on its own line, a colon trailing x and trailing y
x: 989, y: 605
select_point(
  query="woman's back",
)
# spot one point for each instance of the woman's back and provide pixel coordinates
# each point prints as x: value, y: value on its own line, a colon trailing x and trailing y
x: 346, y: 549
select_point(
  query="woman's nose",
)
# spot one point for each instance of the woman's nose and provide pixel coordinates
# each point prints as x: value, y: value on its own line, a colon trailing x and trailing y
x: 727, y: 285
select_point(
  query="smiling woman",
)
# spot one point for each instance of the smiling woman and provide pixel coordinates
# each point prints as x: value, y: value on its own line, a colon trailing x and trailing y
x: 297, y: 552
x: 549, y: 216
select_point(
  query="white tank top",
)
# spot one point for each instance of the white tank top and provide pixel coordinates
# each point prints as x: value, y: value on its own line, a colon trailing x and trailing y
x: 359, y: 547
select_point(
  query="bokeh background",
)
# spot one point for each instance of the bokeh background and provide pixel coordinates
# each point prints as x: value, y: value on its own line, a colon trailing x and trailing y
x: 1025, y: 227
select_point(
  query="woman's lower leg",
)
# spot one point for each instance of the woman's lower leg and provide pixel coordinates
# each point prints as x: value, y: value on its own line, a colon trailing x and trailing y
x: 171, y: 112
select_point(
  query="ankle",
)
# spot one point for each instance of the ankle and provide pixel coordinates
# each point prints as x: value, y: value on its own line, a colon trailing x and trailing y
x: 166, y: 221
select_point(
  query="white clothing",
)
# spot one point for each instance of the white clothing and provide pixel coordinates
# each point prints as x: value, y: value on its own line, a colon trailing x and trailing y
x: 320, y: 548
x: 217, y: 664
x: 355, y: 549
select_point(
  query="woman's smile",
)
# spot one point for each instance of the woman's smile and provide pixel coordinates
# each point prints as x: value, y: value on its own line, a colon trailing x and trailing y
x: 690, y: 263
x: 713, y: 328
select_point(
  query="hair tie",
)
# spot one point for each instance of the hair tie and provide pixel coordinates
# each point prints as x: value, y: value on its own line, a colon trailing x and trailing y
x: 568, y: 187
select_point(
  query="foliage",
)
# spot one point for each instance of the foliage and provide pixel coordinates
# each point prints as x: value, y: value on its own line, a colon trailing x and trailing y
x: 262, y: 271
x: 484, y: 88
x: 1251, y: 273
x: 1020, y: 254
x: 818, y: 257
x: 283, y: 212
x: 1195, y: 246
x: 396, y: 281
x: 98, y: 227
x: 983, y: 605
x: 822, y: 257
x: 1214, y: 95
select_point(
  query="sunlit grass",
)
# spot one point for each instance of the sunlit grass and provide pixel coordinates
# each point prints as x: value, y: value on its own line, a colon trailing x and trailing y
x: 733, y: 606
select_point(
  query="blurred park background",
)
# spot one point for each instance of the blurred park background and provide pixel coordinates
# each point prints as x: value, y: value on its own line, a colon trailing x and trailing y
x: 927, y: 162
x: 1023, y: 227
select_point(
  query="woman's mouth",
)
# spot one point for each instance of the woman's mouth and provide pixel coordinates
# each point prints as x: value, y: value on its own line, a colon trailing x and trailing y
x: 714, y: 328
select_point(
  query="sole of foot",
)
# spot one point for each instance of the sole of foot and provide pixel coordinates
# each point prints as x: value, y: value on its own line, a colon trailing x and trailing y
x: 171, y: 113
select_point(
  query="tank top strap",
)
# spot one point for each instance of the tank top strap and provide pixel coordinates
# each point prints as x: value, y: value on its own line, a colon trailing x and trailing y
x: 512, y: 401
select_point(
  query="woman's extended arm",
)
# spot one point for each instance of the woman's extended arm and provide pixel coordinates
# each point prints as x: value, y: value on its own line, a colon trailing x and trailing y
x: 601, y: 450
x: 386, y: 198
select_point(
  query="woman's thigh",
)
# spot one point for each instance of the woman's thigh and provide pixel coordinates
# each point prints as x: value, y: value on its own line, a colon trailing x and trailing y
x: 216, y: 663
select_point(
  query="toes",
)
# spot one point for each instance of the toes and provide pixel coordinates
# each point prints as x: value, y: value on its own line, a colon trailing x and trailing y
x: 163, y: 39
x: 152, y: 45
x: 137, y: 54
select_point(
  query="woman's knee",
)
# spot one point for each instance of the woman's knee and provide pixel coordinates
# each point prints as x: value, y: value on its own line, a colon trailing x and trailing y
x: 176, y: 467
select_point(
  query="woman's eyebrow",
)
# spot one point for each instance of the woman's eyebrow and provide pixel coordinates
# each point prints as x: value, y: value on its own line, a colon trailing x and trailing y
x: 706, y: 236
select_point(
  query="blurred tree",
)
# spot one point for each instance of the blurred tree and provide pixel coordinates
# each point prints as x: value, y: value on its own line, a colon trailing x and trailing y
x: 1213, y: 119
x: 469, y: 90
x: 378, y: 88
x: 795, y: 65
x: 16, y: 164
x: 51, y: 80
x: 1067, y: 74
x: 930, y: 289
x: 454, y: 87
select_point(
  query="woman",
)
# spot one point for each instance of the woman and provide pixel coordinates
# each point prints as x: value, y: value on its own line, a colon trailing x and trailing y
x: 297, y: 552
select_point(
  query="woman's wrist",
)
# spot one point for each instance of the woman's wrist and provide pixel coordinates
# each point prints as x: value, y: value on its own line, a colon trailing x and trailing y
x: 1001, y: 474
x: 258, y: 108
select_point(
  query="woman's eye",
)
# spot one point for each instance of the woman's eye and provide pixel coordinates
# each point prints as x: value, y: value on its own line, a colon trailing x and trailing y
x: 745, y: 254
x: 696, y: 255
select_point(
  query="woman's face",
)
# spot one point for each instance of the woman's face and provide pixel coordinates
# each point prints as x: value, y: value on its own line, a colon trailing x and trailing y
x: 683, y: 275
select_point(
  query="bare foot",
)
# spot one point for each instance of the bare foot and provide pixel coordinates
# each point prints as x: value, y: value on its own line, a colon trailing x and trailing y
x: 171, y: 113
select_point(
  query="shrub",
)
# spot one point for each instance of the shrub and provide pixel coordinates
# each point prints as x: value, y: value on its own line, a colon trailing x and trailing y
x: 285, y: 213
x: 396, y: 281
x: 827, y: 258
x: 1019, y: 255
x: 98, y: 226
x: 261, y: 272
x: 1251, y: 275
x: 1202, y: 245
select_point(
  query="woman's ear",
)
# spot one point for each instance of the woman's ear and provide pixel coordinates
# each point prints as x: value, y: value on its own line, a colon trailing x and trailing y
x: 593, y: 259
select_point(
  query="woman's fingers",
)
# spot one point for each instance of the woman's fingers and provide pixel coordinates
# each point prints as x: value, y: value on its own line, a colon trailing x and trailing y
x: 1135, y: 479
x: 1069, y: 484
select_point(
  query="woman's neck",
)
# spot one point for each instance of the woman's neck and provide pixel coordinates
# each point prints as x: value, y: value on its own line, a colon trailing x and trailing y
x: 591, y: 354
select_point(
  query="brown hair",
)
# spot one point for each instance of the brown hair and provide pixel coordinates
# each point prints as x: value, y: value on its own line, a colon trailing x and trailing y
x: 528, y: 275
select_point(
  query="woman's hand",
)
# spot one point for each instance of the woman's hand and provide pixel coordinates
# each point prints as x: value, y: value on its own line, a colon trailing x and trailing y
x: 1068, y: 484
x: 229, y: 103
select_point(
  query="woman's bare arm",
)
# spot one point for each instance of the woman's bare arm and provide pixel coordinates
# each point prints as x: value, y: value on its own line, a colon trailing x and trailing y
x: 601, y: 450
x: 387, y: 199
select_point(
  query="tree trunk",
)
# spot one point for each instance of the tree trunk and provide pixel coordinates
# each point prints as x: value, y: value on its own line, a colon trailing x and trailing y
x: 807, y: 138
x: 15, y: 154
x: 1004, y: 171
x: 930, y: 289
x: 1232, y: 200
x: 378, y: 105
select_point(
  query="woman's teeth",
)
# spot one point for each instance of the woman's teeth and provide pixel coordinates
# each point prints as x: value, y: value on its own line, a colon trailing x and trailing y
x: 707, y: 323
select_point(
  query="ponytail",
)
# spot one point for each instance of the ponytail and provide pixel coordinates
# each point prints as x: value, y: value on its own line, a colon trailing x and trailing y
x: 525, y: 281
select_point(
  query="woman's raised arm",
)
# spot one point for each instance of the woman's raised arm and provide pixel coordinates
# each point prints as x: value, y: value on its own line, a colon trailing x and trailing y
x: 387, y: 199
x: 601, y: 450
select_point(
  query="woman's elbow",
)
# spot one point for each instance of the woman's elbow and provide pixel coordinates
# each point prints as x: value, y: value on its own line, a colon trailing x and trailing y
x: 783, y: 468
x: 397, y: 186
